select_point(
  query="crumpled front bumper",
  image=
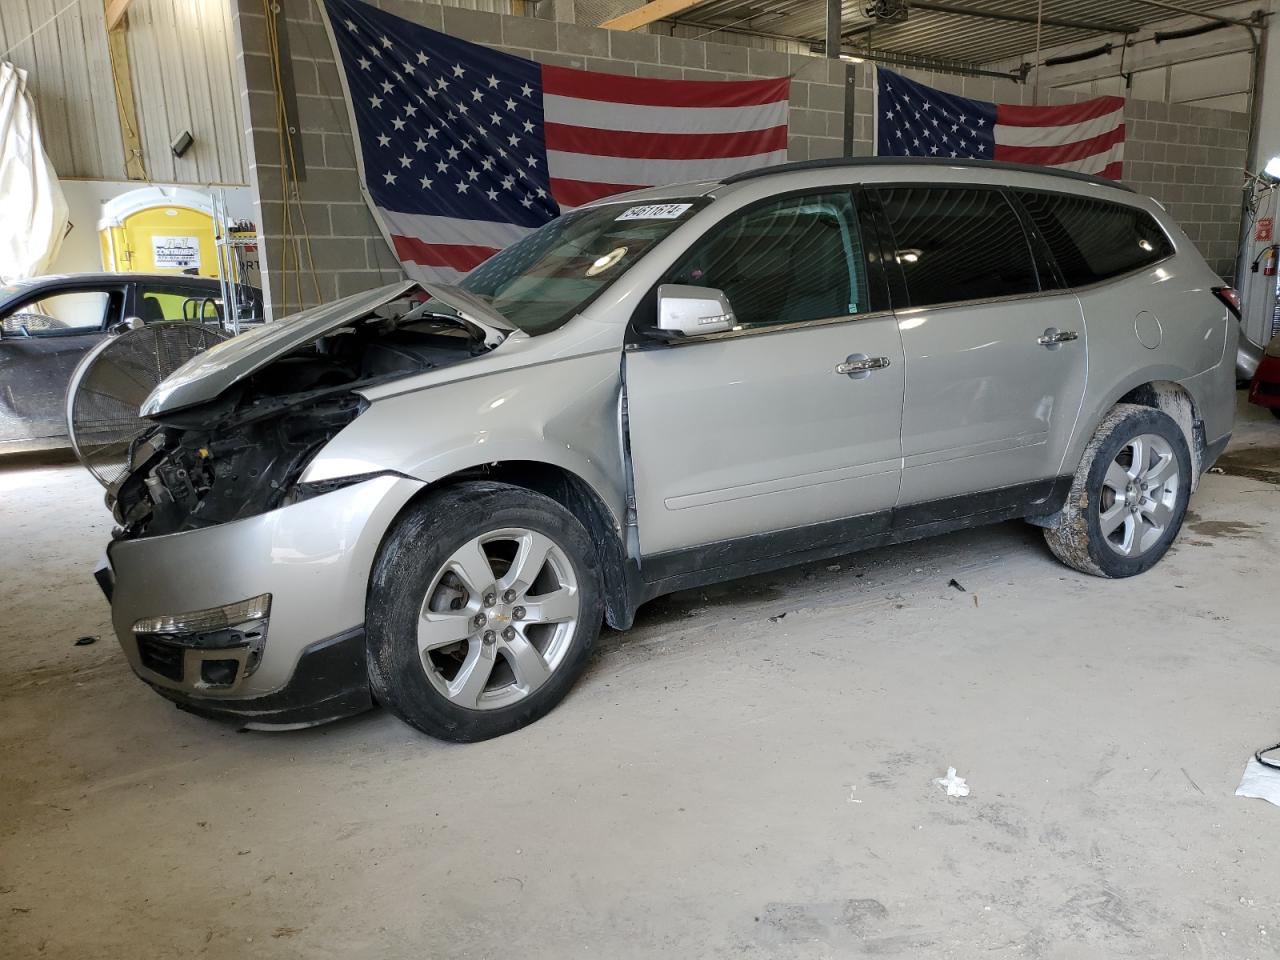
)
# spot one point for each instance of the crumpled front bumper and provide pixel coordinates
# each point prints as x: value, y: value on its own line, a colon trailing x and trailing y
x: 313, y: 558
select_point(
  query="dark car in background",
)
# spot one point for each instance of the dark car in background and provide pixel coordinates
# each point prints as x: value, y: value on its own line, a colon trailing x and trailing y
x: 47, y: 324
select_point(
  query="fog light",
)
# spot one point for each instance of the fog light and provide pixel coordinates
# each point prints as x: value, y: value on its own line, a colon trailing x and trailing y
x: 219, y: 673
x: 206, y: 621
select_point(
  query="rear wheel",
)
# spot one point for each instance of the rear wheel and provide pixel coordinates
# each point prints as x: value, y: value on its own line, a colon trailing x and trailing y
x: 483, y: 607
x: 1129, y: 495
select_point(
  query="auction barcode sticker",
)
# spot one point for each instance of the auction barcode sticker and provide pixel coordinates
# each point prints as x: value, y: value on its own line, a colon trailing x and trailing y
x: 656, y: 211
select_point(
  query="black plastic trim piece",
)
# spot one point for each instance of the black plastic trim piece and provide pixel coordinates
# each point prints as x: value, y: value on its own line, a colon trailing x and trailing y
x: 106, y: 577
x: 330, y: 681
x: 1051, y: 279
x: 1213, y: 451
x: 763, y: 552
x: 1022, y: 496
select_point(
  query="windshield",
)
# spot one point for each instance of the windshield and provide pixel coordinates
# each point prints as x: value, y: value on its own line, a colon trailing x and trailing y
x: 551, y: 274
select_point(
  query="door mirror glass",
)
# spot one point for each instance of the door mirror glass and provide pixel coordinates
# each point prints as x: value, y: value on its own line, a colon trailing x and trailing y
x: 691, y: 310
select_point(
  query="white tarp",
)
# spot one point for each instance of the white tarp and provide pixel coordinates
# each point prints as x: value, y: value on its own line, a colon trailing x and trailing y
x: 33, y: 213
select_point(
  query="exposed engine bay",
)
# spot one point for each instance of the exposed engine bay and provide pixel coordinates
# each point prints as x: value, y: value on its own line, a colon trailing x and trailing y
x: 241, y: 454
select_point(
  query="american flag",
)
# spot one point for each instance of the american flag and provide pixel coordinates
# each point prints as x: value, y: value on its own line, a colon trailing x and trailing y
x: 914, y: 120
x: 465, y: 149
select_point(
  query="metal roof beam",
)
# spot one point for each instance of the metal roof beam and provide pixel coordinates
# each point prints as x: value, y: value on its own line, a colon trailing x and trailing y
x: 940, y: 64
x: 1098, y: 26
x: 1189, y: 12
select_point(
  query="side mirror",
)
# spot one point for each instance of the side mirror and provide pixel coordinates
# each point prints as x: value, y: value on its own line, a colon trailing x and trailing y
x: 693, y: 310
x: 128, y: 323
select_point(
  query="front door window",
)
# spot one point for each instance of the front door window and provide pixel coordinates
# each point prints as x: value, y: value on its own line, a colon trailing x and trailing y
x: 788, y: 261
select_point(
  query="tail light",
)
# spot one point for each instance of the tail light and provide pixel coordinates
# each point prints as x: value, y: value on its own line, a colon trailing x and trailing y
x: 1231, y: 297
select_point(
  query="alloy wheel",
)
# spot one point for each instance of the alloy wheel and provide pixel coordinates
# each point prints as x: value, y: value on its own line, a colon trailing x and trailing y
x: 1139, y: 496
x: 498, y: 618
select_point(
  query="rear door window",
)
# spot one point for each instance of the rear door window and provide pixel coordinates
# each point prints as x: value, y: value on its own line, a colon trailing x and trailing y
x: 1094, y: 240
x: 193, y: 304
x: 791, y: 260
x: 955, y: 245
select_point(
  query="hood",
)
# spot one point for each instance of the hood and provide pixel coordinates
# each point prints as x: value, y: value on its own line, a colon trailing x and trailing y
x: 204, y: 377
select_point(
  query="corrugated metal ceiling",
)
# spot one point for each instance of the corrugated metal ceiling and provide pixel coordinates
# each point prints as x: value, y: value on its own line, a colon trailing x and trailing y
x: 933, y: 32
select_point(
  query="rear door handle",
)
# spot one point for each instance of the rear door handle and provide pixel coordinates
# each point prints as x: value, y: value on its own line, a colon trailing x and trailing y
x: 859, y: 365
x: 1053, y: 336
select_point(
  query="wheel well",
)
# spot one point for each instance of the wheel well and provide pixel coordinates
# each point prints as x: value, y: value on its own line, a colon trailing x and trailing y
x: 577, y: 496
x: 1174, y: 400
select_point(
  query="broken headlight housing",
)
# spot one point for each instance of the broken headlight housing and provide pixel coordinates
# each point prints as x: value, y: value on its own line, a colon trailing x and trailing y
x: 208, y: 649
x: 207, y: 621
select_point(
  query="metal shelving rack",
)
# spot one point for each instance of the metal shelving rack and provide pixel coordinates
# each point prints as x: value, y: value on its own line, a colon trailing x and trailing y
x: 234, y: 239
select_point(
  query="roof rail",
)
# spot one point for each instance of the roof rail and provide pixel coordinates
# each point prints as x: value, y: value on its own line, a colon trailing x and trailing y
x: 837, y: 162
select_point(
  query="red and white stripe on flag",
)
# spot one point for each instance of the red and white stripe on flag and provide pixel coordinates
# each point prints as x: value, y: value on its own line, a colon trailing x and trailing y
x: 916, y: 120
x: 606, y: 133
x: 1085, y: 137
x: 464, y: 149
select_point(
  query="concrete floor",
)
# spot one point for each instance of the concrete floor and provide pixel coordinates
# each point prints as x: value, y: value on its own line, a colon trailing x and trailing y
x: 725, y: 780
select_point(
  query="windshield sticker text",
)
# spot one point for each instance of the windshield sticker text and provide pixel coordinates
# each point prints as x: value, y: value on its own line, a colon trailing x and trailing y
x: 656, y: 211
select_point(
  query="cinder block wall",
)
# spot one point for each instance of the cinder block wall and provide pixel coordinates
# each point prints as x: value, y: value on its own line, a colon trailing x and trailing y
x: 349, y: 253
x: 1190, y: 159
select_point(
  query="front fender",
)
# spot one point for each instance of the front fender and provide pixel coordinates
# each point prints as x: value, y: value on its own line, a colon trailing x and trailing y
x: 563, y: 412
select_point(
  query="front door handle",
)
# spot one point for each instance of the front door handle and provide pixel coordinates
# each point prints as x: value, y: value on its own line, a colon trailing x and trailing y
x: 1053, y: 336
x: 859, y: 365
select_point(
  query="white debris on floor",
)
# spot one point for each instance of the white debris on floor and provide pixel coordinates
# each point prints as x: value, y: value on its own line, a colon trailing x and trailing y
x: 955, y: 786
x: 1260, y: 782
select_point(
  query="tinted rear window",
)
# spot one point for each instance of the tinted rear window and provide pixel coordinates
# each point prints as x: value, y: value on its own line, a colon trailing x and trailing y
x: 1094, y: 240
x: 958, y: 244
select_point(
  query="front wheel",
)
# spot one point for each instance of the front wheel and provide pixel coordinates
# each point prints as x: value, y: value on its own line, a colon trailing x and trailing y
x: 483, y: 607
x: 1128, y: 497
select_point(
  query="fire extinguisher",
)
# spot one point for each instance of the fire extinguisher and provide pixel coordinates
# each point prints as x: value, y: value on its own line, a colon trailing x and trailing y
x: 1267, y: 258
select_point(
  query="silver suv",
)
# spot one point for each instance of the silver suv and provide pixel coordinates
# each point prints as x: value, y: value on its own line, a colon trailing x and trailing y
x: 430, y: 496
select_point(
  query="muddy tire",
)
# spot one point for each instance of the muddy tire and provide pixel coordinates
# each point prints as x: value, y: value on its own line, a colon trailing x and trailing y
x: 1128, y: 498
x: 483, y: 606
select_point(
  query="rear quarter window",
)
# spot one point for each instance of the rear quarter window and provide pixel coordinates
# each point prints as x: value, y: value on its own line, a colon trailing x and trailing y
x: 1094, y: 240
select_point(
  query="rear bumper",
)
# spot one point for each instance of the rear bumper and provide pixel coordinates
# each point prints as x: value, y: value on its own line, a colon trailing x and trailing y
x: 331, y: 681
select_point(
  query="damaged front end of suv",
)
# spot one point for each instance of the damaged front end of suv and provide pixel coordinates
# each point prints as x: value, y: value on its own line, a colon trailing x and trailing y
x: 240, y: 452
x: 221, y: 553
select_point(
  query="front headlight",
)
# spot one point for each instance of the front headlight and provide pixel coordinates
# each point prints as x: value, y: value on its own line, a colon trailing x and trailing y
x: 206, y: 621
